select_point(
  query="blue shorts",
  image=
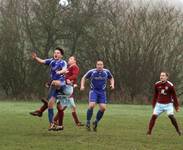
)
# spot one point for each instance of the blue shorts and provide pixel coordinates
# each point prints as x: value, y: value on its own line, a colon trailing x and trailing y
x: 160, y: 108
x: 97, y: 97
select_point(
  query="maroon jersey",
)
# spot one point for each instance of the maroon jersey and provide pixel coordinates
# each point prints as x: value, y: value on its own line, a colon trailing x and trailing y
x: 164, y: 94
x: 73, y: 72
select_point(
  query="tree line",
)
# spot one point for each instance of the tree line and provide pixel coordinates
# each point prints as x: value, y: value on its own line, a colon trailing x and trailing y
x: 136, y: 41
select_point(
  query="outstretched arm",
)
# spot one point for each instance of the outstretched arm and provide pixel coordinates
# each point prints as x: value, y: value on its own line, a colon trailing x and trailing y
x: 39, y: 60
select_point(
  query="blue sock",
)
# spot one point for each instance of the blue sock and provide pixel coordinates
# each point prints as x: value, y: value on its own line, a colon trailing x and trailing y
x: 89, y: 115
x: 99, y: 116
x: 50, y: 115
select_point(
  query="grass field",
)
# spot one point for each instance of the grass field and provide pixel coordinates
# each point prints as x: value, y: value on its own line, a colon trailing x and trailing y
x: 122, y: 128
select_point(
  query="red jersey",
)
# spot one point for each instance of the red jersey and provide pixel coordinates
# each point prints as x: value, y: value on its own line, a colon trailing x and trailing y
x: 164, y: 94
x: 73, y: 72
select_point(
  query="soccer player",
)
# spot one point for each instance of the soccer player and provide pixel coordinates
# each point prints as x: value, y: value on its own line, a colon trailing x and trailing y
x: 57, y: 69
x: 98, y: 79
x: 164, y: 100
x: 71, y: 79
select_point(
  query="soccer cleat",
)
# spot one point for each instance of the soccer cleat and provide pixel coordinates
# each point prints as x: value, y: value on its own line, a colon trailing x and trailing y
x: 88, y: 127
x: 52, y: 127
x: 59, y: 128
x: 79, y: 124
x: 148, y: 133
x: 36, y: 113
x: 95, y: 126
x: 179, y: 133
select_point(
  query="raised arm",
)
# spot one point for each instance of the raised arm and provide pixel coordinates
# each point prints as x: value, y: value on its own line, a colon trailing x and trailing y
x: 39, y: 60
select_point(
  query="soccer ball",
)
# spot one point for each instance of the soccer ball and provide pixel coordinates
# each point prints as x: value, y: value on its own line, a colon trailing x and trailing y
x: 64, y: 3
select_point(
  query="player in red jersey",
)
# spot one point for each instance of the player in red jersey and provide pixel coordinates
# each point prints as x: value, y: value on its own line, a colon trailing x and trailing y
x: 164, y: 100
x: 71, y: 78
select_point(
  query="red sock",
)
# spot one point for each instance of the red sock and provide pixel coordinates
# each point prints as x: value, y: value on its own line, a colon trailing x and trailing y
x: 75, y: 117
x: 152, y: 122
x: 56, y: 118
x: 60, y: 117
x: 43, y: 108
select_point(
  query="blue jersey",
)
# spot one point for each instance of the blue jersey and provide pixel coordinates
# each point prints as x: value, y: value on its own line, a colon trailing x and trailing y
x: 98, y: 78
x: 56, y: 65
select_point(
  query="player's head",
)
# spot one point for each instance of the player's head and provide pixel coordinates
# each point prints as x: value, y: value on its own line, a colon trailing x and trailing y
x: 164, y: 76
x: 100, y: 65
x: 72, y: 60
x: 58, y: 53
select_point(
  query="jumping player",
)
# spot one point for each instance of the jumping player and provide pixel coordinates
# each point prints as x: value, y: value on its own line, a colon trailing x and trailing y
x: 71, y: 79
x: 58, y: 68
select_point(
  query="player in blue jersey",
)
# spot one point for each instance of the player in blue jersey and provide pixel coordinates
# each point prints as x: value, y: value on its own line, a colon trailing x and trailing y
x: 58, y: 68
x: 98, y: 80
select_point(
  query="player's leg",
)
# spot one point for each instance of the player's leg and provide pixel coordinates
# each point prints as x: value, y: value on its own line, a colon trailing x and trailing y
x: 39, y: 112
x: 102, y: 107
x: 170, y: 113
x: 91, y: 105
x: 157, y: 111
x: 51, y: 96
x: 174, y: 123
x: 60, y: 117
x: 56, y: 117
x: 74, y: 112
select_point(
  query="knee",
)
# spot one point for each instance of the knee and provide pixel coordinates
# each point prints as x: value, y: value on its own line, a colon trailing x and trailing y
x: 73, y: 109
x: 50, y: 104
x: 91, y: 106
x: 103, y: 109
x: 59, y: 107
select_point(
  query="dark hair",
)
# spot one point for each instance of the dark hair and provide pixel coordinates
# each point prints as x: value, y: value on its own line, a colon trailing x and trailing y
x: 73, y: 57
x: 167, y: 74
x: 60, y: 49
x: 99, y: 60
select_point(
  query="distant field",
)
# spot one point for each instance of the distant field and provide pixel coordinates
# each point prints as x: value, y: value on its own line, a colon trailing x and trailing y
x: 122, y: 128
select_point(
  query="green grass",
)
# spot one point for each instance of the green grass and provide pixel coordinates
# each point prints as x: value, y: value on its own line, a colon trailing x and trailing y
x: 123, y: 127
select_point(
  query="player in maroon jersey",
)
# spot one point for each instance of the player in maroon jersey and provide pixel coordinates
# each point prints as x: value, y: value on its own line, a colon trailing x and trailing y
x: 71, y: 78
x: 164, y: 100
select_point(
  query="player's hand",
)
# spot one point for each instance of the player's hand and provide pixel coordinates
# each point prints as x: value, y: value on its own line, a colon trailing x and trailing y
x: 67, y: 71
x: 34, y: 55
x: 59, y: 72
x: 68, y: 81
x: 177, y: 109
x: 75, y: 85
x: 112, y: 87
x: 82, y: 88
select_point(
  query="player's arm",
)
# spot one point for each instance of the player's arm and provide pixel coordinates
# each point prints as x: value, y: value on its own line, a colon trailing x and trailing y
x: 111, y: 83
x: 64, y: 68
x: 63, y: 71
x: 175, y: 101
x: 111, y: 79
x: 83, y: 79
x: 154, y: 97
x: 39, y: 60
